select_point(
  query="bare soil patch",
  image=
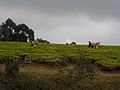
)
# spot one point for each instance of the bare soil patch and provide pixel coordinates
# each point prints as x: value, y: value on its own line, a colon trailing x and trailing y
x: 45, y: 69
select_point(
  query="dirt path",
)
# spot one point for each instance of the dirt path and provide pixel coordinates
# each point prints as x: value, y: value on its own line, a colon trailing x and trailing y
x: 45, y: 69
x: 108, y: 73
x: 52, y: 70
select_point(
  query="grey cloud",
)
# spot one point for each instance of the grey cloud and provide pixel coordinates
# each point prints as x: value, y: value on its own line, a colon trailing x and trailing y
x: 67, y: 20
x: 93, y: 8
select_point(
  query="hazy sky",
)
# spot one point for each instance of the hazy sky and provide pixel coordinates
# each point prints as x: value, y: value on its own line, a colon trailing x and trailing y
x: 67, y: 20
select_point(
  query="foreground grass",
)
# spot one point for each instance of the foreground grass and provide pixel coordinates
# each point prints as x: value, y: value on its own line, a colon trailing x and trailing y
x: 50, y: 78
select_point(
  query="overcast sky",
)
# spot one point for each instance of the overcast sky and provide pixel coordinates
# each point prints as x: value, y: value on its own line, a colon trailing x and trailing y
x: 61, y: 21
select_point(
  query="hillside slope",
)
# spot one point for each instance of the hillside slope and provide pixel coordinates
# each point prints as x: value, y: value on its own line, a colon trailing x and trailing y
x: 59, y: 54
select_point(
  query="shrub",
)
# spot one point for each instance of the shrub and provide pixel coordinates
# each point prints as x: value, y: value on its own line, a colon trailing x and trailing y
x: 11, y: 67
x: 84, y: 68
x: 21, y: 82
x: 80, y: 77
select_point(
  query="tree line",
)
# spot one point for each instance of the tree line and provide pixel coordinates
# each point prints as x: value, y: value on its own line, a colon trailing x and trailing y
x: 10, y: 31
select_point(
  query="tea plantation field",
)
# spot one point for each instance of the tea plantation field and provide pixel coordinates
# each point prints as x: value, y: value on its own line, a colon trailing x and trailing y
x: 107, y: 57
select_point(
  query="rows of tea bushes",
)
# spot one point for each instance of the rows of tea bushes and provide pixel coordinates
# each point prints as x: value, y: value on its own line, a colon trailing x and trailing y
x: 51, y: 54
x: 107, y: 57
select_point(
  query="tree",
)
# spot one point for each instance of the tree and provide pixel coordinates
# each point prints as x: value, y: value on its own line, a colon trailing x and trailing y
x: 9, y: 31
x: 42, y: 41
x: 73, y: 43
x: 10, y: 23
x: 31, y: 35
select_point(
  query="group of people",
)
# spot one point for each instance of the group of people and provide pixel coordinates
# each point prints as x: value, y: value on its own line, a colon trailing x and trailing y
x: 94, y: 45
x: 90, y: 45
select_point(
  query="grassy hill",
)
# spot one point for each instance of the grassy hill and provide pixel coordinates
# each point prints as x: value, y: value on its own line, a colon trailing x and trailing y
x: 41, y: 76
x: 108, y: 57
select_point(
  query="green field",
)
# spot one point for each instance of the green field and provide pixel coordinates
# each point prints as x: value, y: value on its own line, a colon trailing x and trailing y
x: 107, y: 57
x: 58, y: 67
